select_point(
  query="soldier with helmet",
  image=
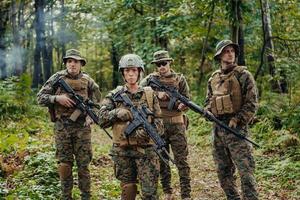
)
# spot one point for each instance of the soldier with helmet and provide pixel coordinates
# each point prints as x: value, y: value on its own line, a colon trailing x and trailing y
x: 175, y: 123
x: 232, y: 98
x: 134, y: 157
x: 72, y: 127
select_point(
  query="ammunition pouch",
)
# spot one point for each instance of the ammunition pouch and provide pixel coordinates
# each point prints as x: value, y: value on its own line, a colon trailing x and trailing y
x: 221, y: 105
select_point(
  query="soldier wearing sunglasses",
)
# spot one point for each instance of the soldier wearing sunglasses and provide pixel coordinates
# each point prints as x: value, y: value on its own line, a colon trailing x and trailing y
x: 175, y: 123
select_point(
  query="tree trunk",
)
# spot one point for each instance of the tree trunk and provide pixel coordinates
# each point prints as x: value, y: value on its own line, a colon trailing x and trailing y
x: 47, y: 61
x: 159, y: 39
x: 204, y: 46
x: 62, y: 44
x: 268, y: 48
x: 115, y: 63
x: 16, y: 50
x: 49, y: 49
x: 40, y: 43
x: 237, y: 34
x: 3, y: 22
x: 162, y: 37
x: 22, y: 38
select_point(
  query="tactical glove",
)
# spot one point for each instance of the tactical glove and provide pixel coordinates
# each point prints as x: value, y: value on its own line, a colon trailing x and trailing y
x: 141, y: 135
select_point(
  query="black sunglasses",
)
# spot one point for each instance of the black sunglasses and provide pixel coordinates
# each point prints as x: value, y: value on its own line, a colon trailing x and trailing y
x: 162, y: 63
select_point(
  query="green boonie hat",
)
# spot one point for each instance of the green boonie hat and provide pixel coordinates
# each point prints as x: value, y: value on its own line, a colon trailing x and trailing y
x: 75, y: 54
x: 224, y: 43
x: 161, y: 55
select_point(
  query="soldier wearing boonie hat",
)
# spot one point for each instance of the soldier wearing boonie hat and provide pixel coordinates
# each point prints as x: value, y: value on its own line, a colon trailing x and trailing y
x: 72, y: 127
x: 75, y: 54
x: 232, y: 98
x: 175, y: 123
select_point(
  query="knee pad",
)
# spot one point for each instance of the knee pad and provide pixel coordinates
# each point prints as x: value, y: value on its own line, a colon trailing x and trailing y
x: 129, y: 191
x: 64, y: 170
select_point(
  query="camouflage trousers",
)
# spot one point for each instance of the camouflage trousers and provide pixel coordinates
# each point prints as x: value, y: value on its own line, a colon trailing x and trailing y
x: 174, y: 135
x: 136, y: 164
x: 73, y: 140
x: 230, y: 152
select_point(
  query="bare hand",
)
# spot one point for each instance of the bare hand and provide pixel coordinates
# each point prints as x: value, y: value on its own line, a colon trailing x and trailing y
x: 182, y: 107
x: 232, y: 123
x: 88, y: 121
x: 209, y: 113
x: 64, y: 100
x: 162, y: 96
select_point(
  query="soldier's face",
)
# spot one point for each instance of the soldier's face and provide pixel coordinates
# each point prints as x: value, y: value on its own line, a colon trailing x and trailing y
x: 228, y: 55
x: 163, y: 67
x: 131, y: 75
x: 73, y: 66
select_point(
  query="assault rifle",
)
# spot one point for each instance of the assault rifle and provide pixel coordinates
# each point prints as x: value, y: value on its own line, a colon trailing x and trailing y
x: 175, y: 95
x: 140, y: 120
x: 83, y: 106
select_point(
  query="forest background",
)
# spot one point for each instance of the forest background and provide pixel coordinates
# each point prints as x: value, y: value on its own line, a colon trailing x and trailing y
x: 34, y: 36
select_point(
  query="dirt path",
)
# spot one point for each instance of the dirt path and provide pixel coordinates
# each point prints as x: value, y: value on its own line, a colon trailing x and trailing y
x: 204, y: 179
x: 204, y: 183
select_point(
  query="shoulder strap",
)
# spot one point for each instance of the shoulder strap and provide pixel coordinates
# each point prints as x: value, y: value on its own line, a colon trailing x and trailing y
x: 149, y: 96
x: 216, y: 72
x: 238, y: 70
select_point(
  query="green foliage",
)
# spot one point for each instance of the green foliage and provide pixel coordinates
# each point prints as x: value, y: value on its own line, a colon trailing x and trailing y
x: 15, y: 96
x: 282, y: 170
x: 38, y: 180
x: 13, y: 138
x: 19, y: 114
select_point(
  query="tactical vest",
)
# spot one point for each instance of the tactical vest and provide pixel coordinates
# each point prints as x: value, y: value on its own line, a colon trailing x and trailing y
x: 80, y: 86
x: 170, y: 115
x: 226, y: 92
x: 118, y: 127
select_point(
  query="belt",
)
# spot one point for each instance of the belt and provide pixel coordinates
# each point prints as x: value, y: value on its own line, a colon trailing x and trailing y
x: 132, y: 147
x: 174, y: 120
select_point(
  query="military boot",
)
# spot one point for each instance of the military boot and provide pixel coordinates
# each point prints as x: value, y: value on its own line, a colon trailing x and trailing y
x: 85, y: 196
x: 66, y: 180
x: 129, y: 191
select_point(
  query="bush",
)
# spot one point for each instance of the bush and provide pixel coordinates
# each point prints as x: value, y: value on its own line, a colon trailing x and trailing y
x: 38, y: 180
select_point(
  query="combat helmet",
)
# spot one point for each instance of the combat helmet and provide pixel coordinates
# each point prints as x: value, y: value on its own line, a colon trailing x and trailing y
x: 131, y: 60
x: 224, y: 43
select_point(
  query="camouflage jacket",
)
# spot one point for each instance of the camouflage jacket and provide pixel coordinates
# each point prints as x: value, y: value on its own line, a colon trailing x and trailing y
x: 249, y: 96
x: 46, y: 95
x: 108, y: 118
x: 176, y: 80
x: 183, y: 85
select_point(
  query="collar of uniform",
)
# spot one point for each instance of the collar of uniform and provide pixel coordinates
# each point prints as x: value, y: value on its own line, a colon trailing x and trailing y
x: 67, y: 74
x: 229, y: 69
x: 172, y: 74
x: 125, y: 89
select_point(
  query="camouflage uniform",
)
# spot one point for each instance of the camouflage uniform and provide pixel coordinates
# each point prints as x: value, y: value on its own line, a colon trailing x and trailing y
x: 72, y: 139
x: 134, y: 157
x: 174, y: 130
x: 229, y: 151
